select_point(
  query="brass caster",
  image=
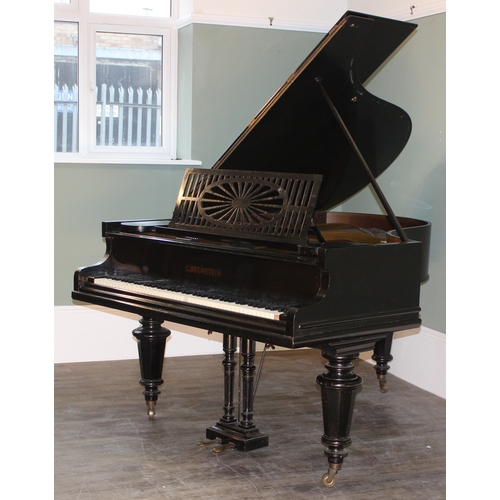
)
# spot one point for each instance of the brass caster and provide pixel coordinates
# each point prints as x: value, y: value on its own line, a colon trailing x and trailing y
x: 151, y: 410
x: 382, y: 381
x: 328, y: 479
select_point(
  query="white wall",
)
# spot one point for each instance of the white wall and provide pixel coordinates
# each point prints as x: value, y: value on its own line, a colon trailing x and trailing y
x: 322, y: 11
x: 319, y: 12
x: 398, y: 9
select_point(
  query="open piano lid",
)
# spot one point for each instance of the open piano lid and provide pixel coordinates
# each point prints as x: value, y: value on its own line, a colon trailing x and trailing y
x: 296, y: 131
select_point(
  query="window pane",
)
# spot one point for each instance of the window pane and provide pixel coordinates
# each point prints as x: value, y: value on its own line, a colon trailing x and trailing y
x: 153, y: 8
x: 65, y: 87
x: 128, y: 93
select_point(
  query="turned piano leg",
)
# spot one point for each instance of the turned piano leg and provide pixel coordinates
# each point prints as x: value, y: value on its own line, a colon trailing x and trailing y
x: 241, y: 434
x: 151, y: 339
x: 338, y: 391
x: 382, y: 356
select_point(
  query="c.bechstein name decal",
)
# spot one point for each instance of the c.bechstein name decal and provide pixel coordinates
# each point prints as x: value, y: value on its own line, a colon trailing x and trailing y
x: 207, y: 271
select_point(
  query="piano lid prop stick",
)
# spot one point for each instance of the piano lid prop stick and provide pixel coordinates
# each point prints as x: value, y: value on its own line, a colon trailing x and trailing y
x: 354, y: 146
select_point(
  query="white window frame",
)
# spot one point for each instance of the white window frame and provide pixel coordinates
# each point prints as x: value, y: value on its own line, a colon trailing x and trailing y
x: 88, y: 25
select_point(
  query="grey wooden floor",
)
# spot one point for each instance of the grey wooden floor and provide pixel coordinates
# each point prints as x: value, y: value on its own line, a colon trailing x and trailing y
x: 107, y: 448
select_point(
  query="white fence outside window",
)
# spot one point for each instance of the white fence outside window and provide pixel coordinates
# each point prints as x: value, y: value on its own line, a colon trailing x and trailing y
x: 124, y: 117
x: 66, y: 119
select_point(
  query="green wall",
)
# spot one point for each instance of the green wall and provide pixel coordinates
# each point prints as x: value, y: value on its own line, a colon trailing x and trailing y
x: 226, y: 74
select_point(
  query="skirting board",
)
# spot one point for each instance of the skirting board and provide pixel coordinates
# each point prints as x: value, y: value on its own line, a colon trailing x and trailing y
x: 92, y: 333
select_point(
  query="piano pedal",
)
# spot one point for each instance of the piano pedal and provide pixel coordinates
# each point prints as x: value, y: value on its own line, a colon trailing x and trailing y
x: 209, y: 443
x: 220, y: 448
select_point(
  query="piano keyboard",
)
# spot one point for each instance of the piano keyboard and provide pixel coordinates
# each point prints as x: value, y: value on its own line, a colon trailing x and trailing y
x: 188, y: 298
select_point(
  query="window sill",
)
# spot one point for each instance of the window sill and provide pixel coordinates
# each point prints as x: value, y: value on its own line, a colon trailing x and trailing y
x: 75, y: 159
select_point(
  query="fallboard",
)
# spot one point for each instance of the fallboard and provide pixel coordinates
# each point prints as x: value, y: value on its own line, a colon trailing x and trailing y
x: 278, y: 279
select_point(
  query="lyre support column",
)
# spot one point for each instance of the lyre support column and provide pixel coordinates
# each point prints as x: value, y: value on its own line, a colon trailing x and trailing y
x: 151, y: 338
x: 229, y: 363
x: 247, y: 374
x: 382, y: 356
x: 338, y: 392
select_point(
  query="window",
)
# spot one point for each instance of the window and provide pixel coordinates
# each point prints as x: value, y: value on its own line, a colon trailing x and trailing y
x: 128, y: 89
x: 114, y: 80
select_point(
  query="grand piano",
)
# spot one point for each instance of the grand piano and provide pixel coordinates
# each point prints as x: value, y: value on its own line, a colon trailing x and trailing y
x: 254, y: 251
